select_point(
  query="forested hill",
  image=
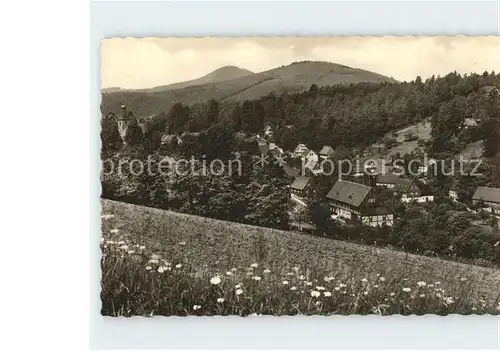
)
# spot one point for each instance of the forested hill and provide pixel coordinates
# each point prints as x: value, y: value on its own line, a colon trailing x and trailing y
x: 355, y: 114
x: 293, y: 78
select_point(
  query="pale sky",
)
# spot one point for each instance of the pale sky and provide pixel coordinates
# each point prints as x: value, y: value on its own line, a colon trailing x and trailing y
x: 147, y: 62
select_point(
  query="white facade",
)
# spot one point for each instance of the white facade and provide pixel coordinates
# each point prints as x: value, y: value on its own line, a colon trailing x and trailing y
x: 453, y: 194
x: 419, y: 199
x: 388, y: 186
x: 378, y: 220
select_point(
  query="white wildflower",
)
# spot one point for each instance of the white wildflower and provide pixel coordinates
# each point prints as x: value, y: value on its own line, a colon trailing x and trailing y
x: 308, y: 283
x: 121, y: 242
x: 421, y: 284
x: 317, y: 303
x: 320, y: 288
x: 406, y: 290
x: 182, y: 243
x: 337, y: 288
x: 110, y: 242
x: 301, y: 277
x: 153, y: 261
x: 254, y: 265
x: 239, y: 291
x: 267, y: 271
x: 131, y: 252
x: 256, y: 278
x: 114, y: 231
x: 422, y: 295
x: 142, y: 247
x: 178, y: 265
x: 293, y: 288
x: 148, y: 268
x: 382, y: 279
x: 107, y: 216
x: 228, y: 273
x: 342, y: 285
x: 449, y: 300
x: 233, y: 269
x: 315, y: 293
x: 463, y: 279
x: 295, y: 269
x: 161, y: 269
x: 215, y: 280
x: 327, y: 293
x: 196, y: 307
x: 365, y: 293
x: 237, y: 286
x: 285, y: 282
x: 364, y: 280
x: 392, y: 294
x: 124, y: 247
x: 220, y: 300
x: 375, y: 286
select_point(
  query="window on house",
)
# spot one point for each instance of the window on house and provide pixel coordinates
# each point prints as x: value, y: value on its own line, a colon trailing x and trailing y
x: 371, y: 200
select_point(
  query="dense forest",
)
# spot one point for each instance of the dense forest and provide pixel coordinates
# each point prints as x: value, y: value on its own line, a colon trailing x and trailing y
x: 342, y: 116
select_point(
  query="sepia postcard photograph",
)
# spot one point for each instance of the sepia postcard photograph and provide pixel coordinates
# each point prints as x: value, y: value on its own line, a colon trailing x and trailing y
x: 292, y: 176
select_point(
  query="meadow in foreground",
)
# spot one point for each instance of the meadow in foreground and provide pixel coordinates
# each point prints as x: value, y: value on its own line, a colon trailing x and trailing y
x: 136, y: 281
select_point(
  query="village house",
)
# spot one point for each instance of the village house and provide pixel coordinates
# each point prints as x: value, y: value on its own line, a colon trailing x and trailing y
x: 312, y: 167
x: 326, y: 152
x: 388, y: 180
x: 301, y: 186
x: 300, y: 150
x: 310, y: 156
x: 488, y: 198
x: 407, y: 188
x: 426, y: 167
x: 268, y: 131
x: 357, y: 203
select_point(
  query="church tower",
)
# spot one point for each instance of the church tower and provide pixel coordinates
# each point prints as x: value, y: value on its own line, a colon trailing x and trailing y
x: 124, y: 121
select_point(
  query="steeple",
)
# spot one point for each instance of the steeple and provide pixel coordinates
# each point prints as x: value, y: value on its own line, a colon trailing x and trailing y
x: 124, y: 121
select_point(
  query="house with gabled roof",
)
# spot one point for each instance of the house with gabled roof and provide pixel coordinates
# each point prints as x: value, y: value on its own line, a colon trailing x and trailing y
x: 407, y: 187
x: 300, y: 150
x: 388, y: 180
x: 358, y: 203
x: 326, y: 152
x: 487, y: 197
x: 301, y: 186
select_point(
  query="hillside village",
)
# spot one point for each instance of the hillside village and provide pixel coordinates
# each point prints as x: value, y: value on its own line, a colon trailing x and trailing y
x: 386, y: 182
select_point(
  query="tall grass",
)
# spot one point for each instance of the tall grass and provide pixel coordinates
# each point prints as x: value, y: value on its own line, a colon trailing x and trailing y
x: 137, y: 281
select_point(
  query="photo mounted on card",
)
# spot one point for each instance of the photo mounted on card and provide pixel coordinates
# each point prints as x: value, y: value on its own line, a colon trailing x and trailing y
x: 300, y: 176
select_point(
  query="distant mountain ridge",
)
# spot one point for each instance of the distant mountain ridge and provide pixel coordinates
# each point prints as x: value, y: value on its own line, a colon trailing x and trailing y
x: 219, y: 75
x: 236, y: 84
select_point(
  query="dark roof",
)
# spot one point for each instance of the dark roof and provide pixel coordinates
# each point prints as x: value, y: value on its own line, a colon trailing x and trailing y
x: 290, y: 171
x: 348, y: 192
x: 300, y: 183
x: 388, y: 178
x: 487, y: 194
x: 403, y: 185
x: 376, y: 211
x: 327, y: 151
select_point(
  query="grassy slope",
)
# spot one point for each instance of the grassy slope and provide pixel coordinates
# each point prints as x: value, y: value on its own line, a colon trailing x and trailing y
x: 295, y: 77
x: 217, y: 244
